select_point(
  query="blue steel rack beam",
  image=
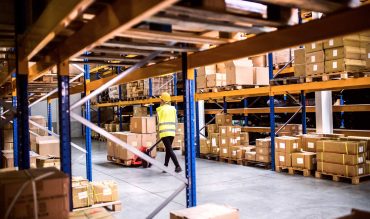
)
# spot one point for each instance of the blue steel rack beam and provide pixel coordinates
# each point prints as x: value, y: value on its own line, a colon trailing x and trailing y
x: 245, y: 105
x: 50, y: 116
x: 64, y: 122
x: 188, y: 79
x: 197, y: 132
x: 272, y: 114
x: 15, y: 123
x: 87, y: 129
x: 150, y: 95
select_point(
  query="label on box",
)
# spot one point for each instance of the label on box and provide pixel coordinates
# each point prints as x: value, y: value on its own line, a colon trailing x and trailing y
x: 331, y: 42
x: 310, y: 145
x: 223, y: 141
x: 360, y: 160
x: 295, y: 145
x: 214, y: 142
x: 281, y: 145
x: 335, y: 64
x: 223, y: 131
x: 361, y: 149
x: 314, y: 67
x: 82, y: 195
x: 299, y: 160
x: 313, y: 58
x: 335, y: 52
x: 224, y: 150
x: 107, y: 191
x: 313, y: 45
x: 234, y: 153
x: 281, y: 158
x: 368, y: 55
x: 360, y: 171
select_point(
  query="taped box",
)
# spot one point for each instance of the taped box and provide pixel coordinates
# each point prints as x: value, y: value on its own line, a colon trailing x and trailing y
x: 304, y: 160
x: 143, y: 124
x: 82, y: 193
x: 348, y: 65
x: 340, y: 169
x: 104, y: 191
x: 287, y: 144
x: 341, y: 147
x: 345, y: 159
x: 206, y: 211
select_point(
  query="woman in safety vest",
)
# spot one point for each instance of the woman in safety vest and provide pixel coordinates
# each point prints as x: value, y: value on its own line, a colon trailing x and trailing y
x: 167, y: 128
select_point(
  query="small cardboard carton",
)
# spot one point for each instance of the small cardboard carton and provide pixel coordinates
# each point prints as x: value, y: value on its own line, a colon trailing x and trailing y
x: 48, y: 146
x: 143, y: 124
x: 341, y: 147
x: 105, y: 191
x: 304, y: 160
x: 345, y: 159
x: 250, y: 155
x: 287, y: 144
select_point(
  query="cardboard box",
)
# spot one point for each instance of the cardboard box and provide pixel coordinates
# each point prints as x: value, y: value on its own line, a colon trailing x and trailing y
x: 180, y: 128
x: 39, y: 120
x: 313, y: 47
x: 263, y: 158
x: 261, y: 75
x: 178, y: 141
x: 299, y: 56
x: 8, y: 146
x: 349, y: 40
x: 347, y: 52
x: 259, y: 61
x: 224, y: 141
x: 214, y: 137
x: 239, y: 72
x: 201, y: 81
x: 212, y: 128
x: 339, y: 169
x: 93, y: 213
x: 143, y: 124
x: 287, y: 144
x: 216, y: 80
x: 234, y: 141
x: 250, y: 155
x: 244, y: 138
x: 281, y: 56
x: 224, y: 151
x: 263, y: 150
x: 304, y: 160
x: 42, y: 162
x: 299, y: 70
x: 309, y: 142
x: 148, y: 140
x: 206, y: 70
x: 236, y: 130
x: 345, y: 159
x: 225, y: 131
x: 8, y: 135
x: 221, y: 68
x: 129, y: 138
x: 140, y: 111
x: 224, y: 119
x: 283, y: 159
x: 205, y: 145
x: 367, y: 166
x: 48, y: 146
x: 314, y: 57
x: 341, y: 147
x: 52, y: 193
x: 111, y: 148
x: 367, y: 57
x: 236, y: 152
x: 8, y: 159
x: 250, y: 148
x: 206, y: 211
x: 105, y: 191
x: 339, y: 65
x: 263, y: 142
x: 82, y: 196
x: 215, y: 150
x: 315, y: 68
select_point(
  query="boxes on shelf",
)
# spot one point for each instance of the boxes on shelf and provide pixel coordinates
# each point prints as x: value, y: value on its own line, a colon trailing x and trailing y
x: 349, y: 40
x: 313, y: 47
x: 52, y: 193
x: 304, y: 160
x: 216, y: 80
x: 105, y: 191
x: 206, y: 211
x: 140, y: 111
x: 206, y: 70
x: 82, y: 193
x: 315, y: 68
x: 250, y: 155
x: 299, y: 70
x: 43, y: 161
x: 239, y: 72
x: 315, y: 57
x: 8, y: 159
x: 261, y: 75
x: 348, y: 65
x: 143, y: 124
x: 201, y: 81
x: 224, y: 119
x: 346, y: 52
x: 47, y: 146
x: 259, y: 61
x: 299, y: 56
x: 281, y: 57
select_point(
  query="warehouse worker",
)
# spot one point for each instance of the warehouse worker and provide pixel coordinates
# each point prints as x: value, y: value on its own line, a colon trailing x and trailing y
x: 167, y: 128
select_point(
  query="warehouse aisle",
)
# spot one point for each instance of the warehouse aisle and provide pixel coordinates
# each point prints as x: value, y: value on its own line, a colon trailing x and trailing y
x: 256, y: 192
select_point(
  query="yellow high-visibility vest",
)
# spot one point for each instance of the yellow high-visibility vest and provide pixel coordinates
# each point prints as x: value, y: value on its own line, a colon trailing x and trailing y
x: 166, y: 120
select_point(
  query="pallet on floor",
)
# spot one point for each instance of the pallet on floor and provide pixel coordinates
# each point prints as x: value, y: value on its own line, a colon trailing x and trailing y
x: 115, y: 160
x: 231, y: 160
x: 294, y: 170
x: 209, y: 156
x: 113, y: 206
x: 259, y: 164
x: 338, y: 178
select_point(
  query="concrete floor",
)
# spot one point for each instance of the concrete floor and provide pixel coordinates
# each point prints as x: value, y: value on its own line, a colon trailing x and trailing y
x: 257, y: 193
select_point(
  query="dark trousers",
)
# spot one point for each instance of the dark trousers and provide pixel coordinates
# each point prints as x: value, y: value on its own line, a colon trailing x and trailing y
x: 167, y: 141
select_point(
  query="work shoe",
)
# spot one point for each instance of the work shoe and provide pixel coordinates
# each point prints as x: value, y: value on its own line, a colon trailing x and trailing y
x: 163, y: 170
x: 178, y: 169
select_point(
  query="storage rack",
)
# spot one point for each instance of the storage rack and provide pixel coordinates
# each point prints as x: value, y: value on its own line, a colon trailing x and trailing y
x: 65, y: 34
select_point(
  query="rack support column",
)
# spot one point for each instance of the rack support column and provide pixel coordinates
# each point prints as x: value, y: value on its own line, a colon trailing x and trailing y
x: 189, y: 113
x: 87, y: 129
x: 272, y: 114
x: 50, y: 116
x: 64, y: 122
x: 342, y: 113
x: 198, y: 117
x: 225, y: 105
x: 15, y: 123
x: 150, y: 96
x: 304, y: 121
x: 245, y: 105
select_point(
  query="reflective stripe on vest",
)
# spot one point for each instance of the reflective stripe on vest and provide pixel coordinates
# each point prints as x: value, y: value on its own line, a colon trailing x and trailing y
x: 167, y: 130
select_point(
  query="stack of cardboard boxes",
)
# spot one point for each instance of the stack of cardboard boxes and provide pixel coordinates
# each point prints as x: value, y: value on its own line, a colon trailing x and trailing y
x: 284, y: 147
x: 263, y: 150
x: 160, y: 84
x: 202, y: 75
x: 344, y: 158
x: 299, y: 62
x: 290, y: 129
x: 242, y: 72
x: 178, y: 141
x: 314, y: 58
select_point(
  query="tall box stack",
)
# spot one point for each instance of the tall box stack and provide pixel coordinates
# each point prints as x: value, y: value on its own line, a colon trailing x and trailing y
x: 263, y: 150
x: 202, y: 75
x: 344, y: 158
x: 144, y: 127
x: 299, y: 62
x: 314, y: 58
x: 8, y: 136
x: 205, y: 145
x: 284, y: 147
x: 343, y: 54
x: 41, y: 121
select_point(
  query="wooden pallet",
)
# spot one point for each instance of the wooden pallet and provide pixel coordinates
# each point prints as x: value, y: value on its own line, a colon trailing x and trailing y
x: 336, y: 76
x: 209, y: 156
x: 115, y: 206
x: 288, y: 80
x: 337, y: 178
x: 126, y: 163
x: 253, y: 163
x: 239, y: 87
x: 231, y: 160
x: 294, y: 170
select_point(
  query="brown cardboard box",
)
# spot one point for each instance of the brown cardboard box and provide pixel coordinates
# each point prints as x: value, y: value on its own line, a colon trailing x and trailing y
x: 250, y: 155
x: 147, y: 140
x: 331, y: 136
x: 8, y: 135
x: 338, y: 65
x: 180, y: 128
x: 250, y: 148
x: 206, y: 70
x: 221, y: 68
x: 281, y: 56
x: 140, y: 111
x: 42, y: 162
x: 224, y: 151
x: 93, y: 213
x: 225, y: 131
x: 313, y: 47
x: 82, y: 196
x: 341, y: 158
x: 110, y: 148
x: 263, y: 142
x: 8, y: 146
x: 347, y: 52
x: 304, y: 160
x: 299, y: 56
x: 224, y: 119
x: 129, y: 138
x: 263, y: 150
x: 239, y: 72
x: 367, y: 166
x: 367, y: 58
x: 47, y: 146
x: 358, y: 138
x: 244, y: 138
x: 283, y: 159
x: 201, y: 81
x: 236, y: 130
x: 236, y: 152
x: 8, y: 159
x: 52, y: 193
x: 105, y: 191
x: 341, y: 147
x: 261, y: 76
x: 215, y: 150
x: 309, y: 142
x: 214, y: 137
x: 234, y: 141
x: 206, y: 211
x: 263, y: 158
x: 259, y: 61
x: 349, y: 40
x: 212, y: 128
x: 216, y: 80
x: 224, y: 141
x: 39, y: 120
x: 314, y: 57
x: 205, y: 145
x: 339, y: 169
x: 299, y: 70
x: 178, y: 141
x: 287, y: 144
x: 315, y: 68
x: 143, y: 124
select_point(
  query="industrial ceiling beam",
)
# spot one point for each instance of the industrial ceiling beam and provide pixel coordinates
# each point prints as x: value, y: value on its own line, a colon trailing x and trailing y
x: 121, y: 51
x: 148, y: 46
